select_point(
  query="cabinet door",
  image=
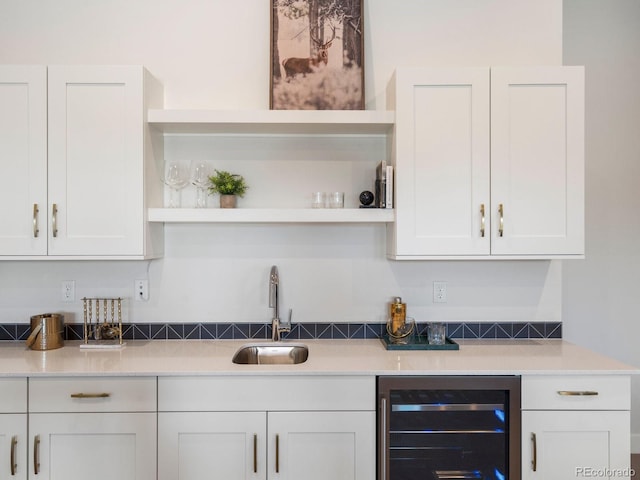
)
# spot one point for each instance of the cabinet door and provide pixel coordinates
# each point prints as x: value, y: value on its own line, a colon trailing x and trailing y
x: 99, y: 446
x: 442, y: 162
x: 322, y: 445
x: 213, y: 445
x: 537, y: 160
x: 13, y: 446
x: 23, y: 160
x: 96, y: 160
x: 573, y: 444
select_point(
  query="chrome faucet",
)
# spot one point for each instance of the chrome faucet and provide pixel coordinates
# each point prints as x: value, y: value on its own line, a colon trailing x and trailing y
x: 277, y: 326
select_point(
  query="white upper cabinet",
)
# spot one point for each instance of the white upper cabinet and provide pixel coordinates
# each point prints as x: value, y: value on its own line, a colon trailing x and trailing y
x: 23, y: 160
x: 92, y: 175
x: 489, y: 163
x: 441, y: 162
x: 537, y: 160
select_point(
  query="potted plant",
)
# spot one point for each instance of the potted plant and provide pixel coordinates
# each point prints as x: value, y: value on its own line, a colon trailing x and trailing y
x: 229, y: 186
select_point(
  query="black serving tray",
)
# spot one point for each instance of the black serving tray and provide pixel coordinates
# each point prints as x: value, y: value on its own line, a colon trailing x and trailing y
x: 418, y: 342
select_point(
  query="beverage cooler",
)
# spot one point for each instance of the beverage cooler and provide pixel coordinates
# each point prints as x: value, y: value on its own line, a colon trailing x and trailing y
x: 449, y: 427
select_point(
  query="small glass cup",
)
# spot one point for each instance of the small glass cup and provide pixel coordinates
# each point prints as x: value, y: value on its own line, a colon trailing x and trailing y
x: 318, y: 199
x: 436, y: 333
x: 336, y: 200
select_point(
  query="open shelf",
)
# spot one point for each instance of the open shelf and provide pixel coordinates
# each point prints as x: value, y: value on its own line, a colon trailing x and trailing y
x: 271, y: 215
x: 310, y: 122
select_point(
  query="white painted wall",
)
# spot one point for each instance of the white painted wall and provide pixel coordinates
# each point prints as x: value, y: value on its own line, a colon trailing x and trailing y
x: 601, y: 296
x: 215, y: 54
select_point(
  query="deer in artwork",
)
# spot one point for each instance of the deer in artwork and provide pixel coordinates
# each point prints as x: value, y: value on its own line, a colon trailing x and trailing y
x: 293, y: 66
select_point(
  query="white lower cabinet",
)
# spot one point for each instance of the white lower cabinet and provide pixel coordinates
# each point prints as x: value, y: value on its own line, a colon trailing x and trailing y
x: 100, y: 446
x: 228, y: 445
x: 98, y: 428
x: 280, y: 428
x: 13, y: 428
x: 321, y: 445
x: 575, y: 427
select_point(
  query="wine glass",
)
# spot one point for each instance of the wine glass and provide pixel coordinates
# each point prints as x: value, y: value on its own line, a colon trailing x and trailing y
x: 176, y: 179
x: 200, y: 171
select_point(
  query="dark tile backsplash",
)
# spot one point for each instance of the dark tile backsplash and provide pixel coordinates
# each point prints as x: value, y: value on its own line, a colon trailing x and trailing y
x: 302, y: 331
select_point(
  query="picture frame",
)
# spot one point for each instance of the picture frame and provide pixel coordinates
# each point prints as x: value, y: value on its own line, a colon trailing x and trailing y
x: 317, y: 55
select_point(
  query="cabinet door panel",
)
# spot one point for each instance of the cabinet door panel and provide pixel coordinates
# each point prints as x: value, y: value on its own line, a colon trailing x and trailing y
x: 322, y: 445
x: 95, y: 159
x: 570, y: 444
x: 100, y: 446
x: 13, y: 446
x: 213, y: 445
x: 23, y: 160
x: 537, y: 160
x: 442, y: 161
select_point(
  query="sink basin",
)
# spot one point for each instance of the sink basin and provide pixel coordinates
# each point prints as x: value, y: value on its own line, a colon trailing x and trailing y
x: 271, y: 354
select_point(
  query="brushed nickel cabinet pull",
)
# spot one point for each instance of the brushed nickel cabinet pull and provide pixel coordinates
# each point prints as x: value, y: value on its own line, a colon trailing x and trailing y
x: 383, y: 438
x: 501, y: 213
x: 277, y: 453
x: 255, y: 453
x: 14, y: 465
x: 577, y: 393
x: 90, y: 395
x: 36, y: 454
x: 482, y: 220
x: 534, y: 445
x: 36, y: 231
x: 54, y: 220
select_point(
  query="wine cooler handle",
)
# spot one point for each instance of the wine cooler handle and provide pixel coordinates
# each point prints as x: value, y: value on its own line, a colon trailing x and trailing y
x: 383, y: 438
x: 534, y: 446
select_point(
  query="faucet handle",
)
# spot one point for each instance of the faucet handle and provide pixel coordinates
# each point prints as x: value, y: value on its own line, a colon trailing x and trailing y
x: 286, y: 327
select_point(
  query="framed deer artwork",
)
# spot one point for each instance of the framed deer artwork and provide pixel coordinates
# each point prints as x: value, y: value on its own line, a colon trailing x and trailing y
x: 317, y: 55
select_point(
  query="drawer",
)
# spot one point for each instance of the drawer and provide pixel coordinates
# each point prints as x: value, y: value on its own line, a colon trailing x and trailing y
x: 576, y: 392
x: 93, y: 394
x: 13, y: 395
x: 259, y: 393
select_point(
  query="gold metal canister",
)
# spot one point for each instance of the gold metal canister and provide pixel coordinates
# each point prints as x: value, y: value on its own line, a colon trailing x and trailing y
x: 398, y: 315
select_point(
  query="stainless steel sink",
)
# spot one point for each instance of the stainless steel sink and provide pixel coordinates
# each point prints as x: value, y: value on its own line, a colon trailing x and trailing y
x: 271, y: 354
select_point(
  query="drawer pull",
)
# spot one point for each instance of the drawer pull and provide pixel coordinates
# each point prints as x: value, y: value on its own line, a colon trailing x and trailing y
x: 36, y: 454
x: 90, y: 395
x: 577, y: 393
x: 14, y: 465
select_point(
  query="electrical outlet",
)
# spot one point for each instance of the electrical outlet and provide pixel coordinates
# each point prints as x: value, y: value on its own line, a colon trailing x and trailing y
x: 142, y: 290
x: 68, y: 291
x: 439, y: 292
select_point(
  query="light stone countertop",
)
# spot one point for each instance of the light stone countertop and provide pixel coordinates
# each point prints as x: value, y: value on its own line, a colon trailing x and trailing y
x: 326, y: 357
